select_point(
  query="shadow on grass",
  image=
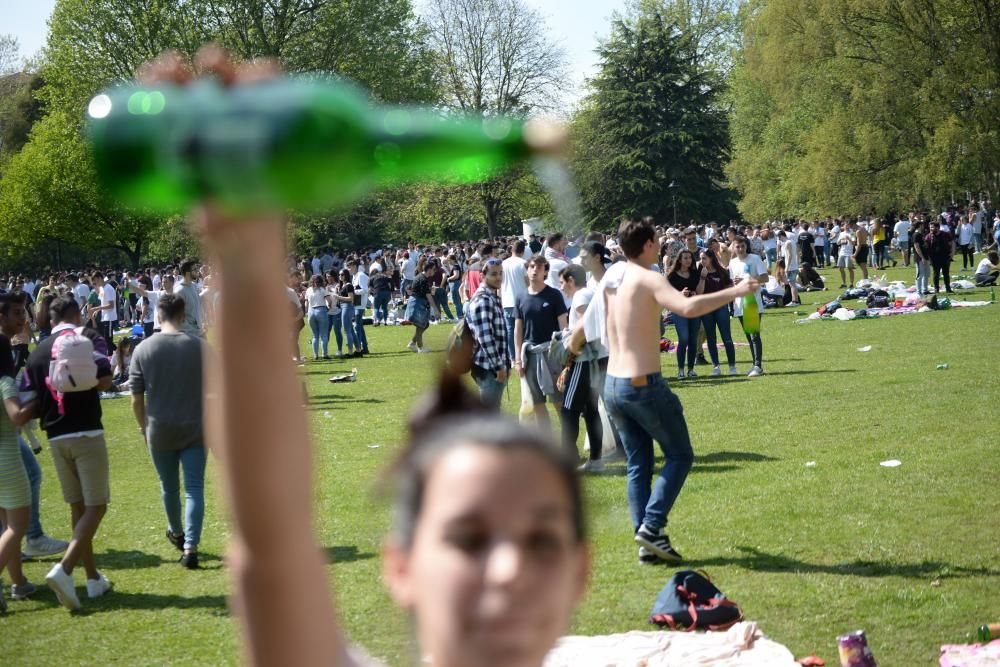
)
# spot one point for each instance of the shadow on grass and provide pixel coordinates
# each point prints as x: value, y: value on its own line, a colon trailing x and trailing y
x: 826, y: 370
x: 716, y: 457
x: 754, y: 559
x: 114, y: 559
x: 346, y: 554
x: 324, y: 401
x: 117, y: 600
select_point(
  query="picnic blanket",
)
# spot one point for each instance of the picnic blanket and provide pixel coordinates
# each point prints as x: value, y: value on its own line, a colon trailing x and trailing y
x: 846, y: 314
x: 971, y: 655
x: 742, y: 645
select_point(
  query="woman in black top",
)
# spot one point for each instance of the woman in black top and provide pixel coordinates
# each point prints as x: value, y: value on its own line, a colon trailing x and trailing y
x: 683, y: 276
x: 713, y: 278
x: 420, y: 305
x: 346, y: 297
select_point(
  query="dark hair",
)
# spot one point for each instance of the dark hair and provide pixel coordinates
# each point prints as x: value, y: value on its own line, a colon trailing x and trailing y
x: 6, y: 357
x: 676, y: 266
x: 187, y: 266
x: 717, y: 267
x: 538, y: 260
x: 519, y: 246
x: 633, y: 235
x: 452, y: 417
x: 9, y: 298
x: 44, y: 314
x: 576, y: 272
x: 63, y: 308
x: 170, y: 307
x: 317, y: 279
x: 555, y: 238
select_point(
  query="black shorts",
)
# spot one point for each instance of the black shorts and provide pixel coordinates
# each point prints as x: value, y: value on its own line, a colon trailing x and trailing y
x: 861, y: 256
x: 578, y: 389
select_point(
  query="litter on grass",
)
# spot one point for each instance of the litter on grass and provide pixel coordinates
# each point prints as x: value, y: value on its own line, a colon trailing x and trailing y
x: 866, y: 348
x: 374, y: 446
x: 810, y: 464
x: 891, y: 463
x: 350, y: 377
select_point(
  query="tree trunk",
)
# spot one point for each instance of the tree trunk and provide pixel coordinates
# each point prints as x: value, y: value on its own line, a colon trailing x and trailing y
x: 491, y: 206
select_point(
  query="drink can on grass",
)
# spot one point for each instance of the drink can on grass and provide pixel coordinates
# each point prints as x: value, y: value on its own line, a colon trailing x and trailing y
x: 854, y: 651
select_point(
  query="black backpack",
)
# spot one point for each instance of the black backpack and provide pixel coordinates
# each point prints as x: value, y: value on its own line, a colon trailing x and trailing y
x: 878, y: 299
x: 689, y: 601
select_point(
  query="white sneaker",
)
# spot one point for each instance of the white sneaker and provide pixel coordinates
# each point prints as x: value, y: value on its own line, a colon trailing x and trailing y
x: 63, y: 586
x: 681, y: 375
x: 411, y: 346
x: 43, y: 545
x: 592, y: 466
x: 716, y: 371
x: 424, y: 350
x: 98, y: 587
x: 733, y: 371
x: 755, y: 371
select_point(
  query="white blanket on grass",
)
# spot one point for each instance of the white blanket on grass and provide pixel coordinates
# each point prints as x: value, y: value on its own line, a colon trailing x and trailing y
x: 743, y: 645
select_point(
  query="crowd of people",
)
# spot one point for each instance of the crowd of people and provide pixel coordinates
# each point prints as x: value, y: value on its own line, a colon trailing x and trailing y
x: 551, y: 311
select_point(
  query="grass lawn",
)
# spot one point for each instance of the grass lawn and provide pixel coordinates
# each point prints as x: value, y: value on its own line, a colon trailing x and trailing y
x: 909, y: 554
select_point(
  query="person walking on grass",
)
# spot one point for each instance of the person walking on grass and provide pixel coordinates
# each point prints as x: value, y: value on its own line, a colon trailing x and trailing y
x: 165, y: 380
x: 742, y: 267
x: 15, y: 490
x: 420, y: 305
x: 37, y: 544
x: 72, y: 422
x: 640, y: 403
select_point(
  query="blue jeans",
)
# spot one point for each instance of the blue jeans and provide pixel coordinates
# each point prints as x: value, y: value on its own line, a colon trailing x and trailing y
x: 641, y: 415
x: 772, y: 256
x: 456, y: 297
x: 508, y: 316
x: 381, y: 307
x: 347, y: 321
x: 192, y: 460
x: 335, y: 326
x: 404, y: 285
x: 35, y: 482
x: 360, y: 338
x: 687, y: 339
x: 441, y: 299
x: 319, y: 324
x: 490, y: 391
x: 719, y: 318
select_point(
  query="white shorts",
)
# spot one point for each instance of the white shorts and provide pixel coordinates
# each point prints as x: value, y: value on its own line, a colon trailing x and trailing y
x: 845, y: 262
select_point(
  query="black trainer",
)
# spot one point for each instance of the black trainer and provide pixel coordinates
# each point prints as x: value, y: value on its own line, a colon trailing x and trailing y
x: 190, y: 560
x: 702, y: 361
x: 657, y: 544
x: 647, y: 557
x: 176, y: 539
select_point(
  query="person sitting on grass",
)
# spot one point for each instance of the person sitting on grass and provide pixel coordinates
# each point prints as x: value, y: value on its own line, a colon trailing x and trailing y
x: 810, y: 279
x: 988, y: 270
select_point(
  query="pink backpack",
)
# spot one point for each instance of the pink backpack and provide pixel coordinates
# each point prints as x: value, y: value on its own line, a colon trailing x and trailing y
x: 73, y: 367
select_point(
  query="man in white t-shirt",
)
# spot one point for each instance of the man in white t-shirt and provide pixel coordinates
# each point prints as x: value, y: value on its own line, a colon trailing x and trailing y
x: 744, y: 265
x: 790, y: 253
x: 360, y: 281
x: 108, y: 310
x: 581, y: 396
x: 408, y: 267
x: 901, y: 231
x: 514, y: 284
x: 79, y: 290
x: 845, y: 255
x: 554, y: 253
x: 153, y: 296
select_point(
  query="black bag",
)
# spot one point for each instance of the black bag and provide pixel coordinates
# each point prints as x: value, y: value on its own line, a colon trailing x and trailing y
x: 878, y: 299
x: 689, y: 601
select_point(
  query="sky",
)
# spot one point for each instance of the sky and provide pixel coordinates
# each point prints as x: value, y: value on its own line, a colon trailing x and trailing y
x: 575, y: 24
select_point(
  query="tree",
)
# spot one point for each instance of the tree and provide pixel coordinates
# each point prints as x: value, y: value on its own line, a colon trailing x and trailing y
x: 496, y: 59
x: 652, y: 117
x: 49, y: 196
x: 886, y: 104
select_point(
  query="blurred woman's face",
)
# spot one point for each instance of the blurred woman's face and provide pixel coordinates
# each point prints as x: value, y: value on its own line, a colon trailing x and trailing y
x: 495, y: 568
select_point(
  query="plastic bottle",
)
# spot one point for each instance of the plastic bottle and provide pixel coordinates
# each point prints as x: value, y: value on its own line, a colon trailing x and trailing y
x: 751, y: 315
x: 942, y: 367
x: 287, y: 143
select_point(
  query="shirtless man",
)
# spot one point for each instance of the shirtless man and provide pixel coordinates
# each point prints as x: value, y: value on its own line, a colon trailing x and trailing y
x: 862, y: 250
x: 638, y: 399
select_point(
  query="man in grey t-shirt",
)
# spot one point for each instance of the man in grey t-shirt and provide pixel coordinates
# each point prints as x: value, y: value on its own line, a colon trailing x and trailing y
x: 167, y: 370
x: 188, y: 290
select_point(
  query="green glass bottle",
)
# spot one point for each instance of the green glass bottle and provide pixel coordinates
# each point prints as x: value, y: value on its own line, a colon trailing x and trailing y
x: 288, y: 143
x: 987, y: 632
x: 751, y: 315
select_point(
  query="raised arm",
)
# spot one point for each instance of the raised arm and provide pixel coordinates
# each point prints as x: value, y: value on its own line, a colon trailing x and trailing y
x: 258, y: 432
x: 695, y: 306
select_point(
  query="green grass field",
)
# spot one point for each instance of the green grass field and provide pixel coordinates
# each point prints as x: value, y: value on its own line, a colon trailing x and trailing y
x: 909, y: 554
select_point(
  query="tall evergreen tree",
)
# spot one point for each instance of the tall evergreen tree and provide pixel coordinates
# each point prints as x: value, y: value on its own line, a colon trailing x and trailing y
x: 652, y: 118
